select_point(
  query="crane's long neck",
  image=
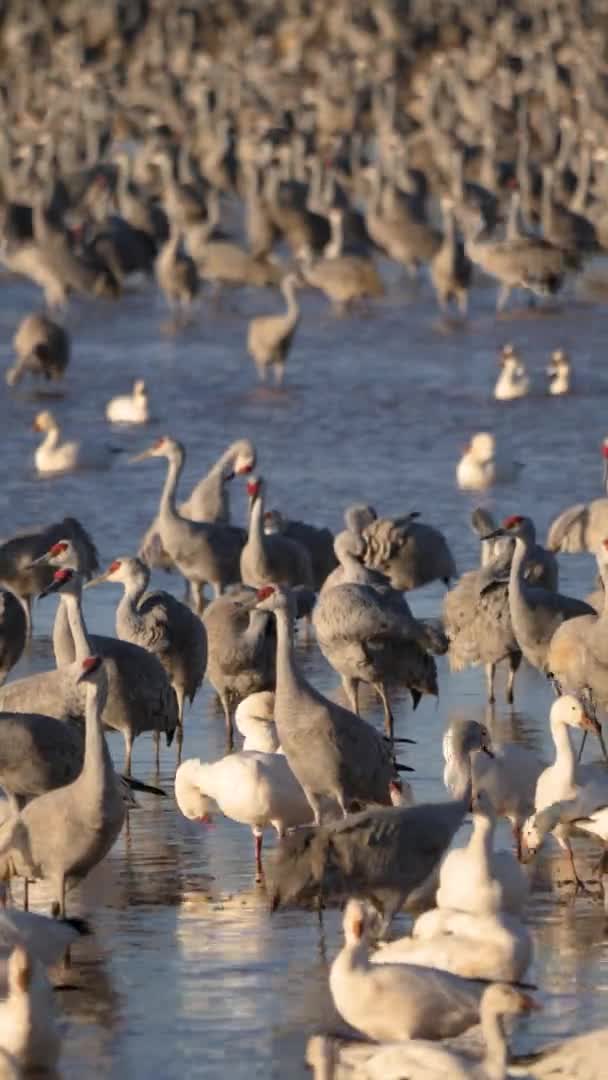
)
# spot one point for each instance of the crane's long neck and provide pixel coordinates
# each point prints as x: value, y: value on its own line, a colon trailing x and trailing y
x: 82, y: 645
x: 288, y: 677
x: 565, y: 759
x: 127, y: 614
x: 495, y: 1057
x: 94, y: 743
x: 517, y: 601
x: 256, y: 523
x: 293, y: 308
x: 167, y: 506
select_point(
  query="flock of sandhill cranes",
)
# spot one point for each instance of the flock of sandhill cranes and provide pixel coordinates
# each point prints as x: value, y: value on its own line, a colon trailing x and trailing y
x: 292, y: 145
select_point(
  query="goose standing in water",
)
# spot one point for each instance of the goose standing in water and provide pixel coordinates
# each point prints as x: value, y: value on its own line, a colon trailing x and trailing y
x: 130, y: 408
x: 253, y: 788
x: 42, y: 347
x: 54, y: 456
x: 513, y: 381
x: 559, y: 370
x: 270, y: 337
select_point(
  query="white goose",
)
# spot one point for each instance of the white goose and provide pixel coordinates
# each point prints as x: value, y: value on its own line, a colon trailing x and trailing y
x: 513, y: 381
x: 564, y: 781
x: 397, y: 1001
x: 254, y: 718
x: 54, y: 456
x: 252, y: 788
x: 477, y: 879
x: 480, y: 467
x: 559, y: 370
x: 418, y: 1059
x: 130, y: 408
x: 29, y: 1033
x: 493, y: 946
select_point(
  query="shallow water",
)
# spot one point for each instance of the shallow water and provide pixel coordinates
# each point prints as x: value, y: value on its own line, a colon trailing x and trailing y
x: 187, y: 975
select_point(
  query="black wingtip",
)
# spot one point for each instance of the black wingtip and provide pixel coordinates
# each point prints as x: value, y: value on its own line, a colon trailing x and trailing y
x: 81, y: 926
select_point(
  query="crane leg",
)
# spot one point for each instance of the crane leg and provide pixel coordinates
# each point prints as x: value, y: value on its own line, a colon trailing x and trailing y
x: 314, y: 805
x: 514, y: 662
x: 279, y: 374
x: 580, y: 886
x: 503, y: 295
x: 26, y: 894
x: 259, y: 872
x: 490, y: 673
x: 129, y: 751
x: 351, y: 689
x: 229, y: 723
x: 389, y: 720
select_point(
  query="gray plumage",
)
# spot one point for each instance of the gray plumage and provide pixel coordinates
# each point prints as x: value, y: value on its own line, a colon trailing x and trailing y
x: 13, y: 632
x: 162, y: 625
x: 38, y: 753
x: 319, y: 542
x: 578, y: 655
x: 203, y: 552
x: 208, y: 501
x: 271, y: 558
x: 331, y: 751
x: 476, y: 613
x: 381, y: 855
x: 139, y: 696
x: 18, y: 555
x: 42, y: 347
x: 410, y: 553
x: 536, y: 613
x: 63, y: 834
x: 269, y: 337
x: 368, y: 634
x: 241, y: 651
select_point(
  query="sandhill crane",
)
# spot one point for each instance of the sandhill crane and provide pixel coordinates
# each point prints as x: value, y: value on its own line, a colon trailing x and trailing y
x: 536, y: 613
x: 513, y: 381
x: 451, y: 269
x: 130, y: 408
x: 344, y: 278
x: 559, y: 370
x: 162, y: 625
x: 253, y: 788
x: 476, y: 614
x: 578, y: 655
x: 13, y: 631
x: 269, y: 337
x: 381, y: 855
x: 410, y: 553
x: 318, y: 541
x: 203, y: 552
x: 482, y: 465
x: 520, y: 261
x: 42, y: 347
x: 176, y: 273
x: 139, y: 697
x: 331, y: 751
x: 54, y: 456
x: 25, y: 576
x: 370, y: 635
x: 582, y: 527
x: 63, y: 834
x: 271, y: 558
x: 208, y: 501
x: 241, y: 652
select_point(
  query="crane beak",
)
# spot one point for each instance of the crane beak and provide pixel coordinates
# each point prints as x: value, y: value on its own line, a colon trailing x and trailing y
x: 493, y: 535
x: 150, y: 452
x: 41, y: 559
x: 97, y: 580
x: 54, y: 586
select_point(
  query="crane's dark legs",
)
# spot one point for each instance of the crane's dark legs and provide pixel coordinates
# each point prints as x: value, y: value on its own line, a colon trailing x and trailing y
x: 259, y: 871
x: 514, y: 662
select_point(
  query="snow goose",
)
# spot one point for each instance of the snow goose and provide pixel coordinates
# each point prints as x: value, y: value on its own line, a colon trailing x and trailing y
x: 130, y: 408
x: 54, y: 456
x: 397, y: 1001
x: 254, y: 718
x: 28, y: 1019
x: 481, y: 466
x: 252, y: 788
x: 513, y: 381
x: 478, y: 879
